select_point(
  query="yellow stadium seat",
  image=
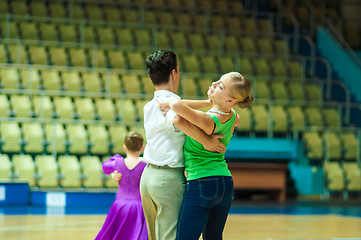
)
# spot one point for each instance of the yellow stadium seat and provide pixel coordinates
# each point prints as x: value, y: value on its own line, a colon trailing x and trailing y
x: 204, y: 84
x: 5, y: 167
x: 112, y: 14
x: 227, y: 64
x: 87, y: 34
x: 19, y: 7
x: 56, y: 137
x: 314, y: 145
x: 209, y: 64
x: 112, y: 82
x: 191, y: 63
x: 58, y: 56
x: 98, y: 59
x: 350, y: 145
x: 333, y: 145
x: 105, y: 109
x: 78, y: 138
x: 117, y: 59
x: 265, y: 47
x: 85, y: 108
x: 313, y: 92
x: 78, y: 57
x: 33, y: 137
x: 262, y: 67
x: 98, y: 136
x: 4, y: 106
x: 38, y: 55
x: 72, y: 81
x: 245, y: 66
x: 47, y: 171
x: 178, y: 40
x: 17, y: 54
x: 126, y: 110
x: 48, y: 32
x: 296, y: 90
x: 63, y: 107
x: 131, y: 16
x: 166, y: 19
x: 92, y: 82
x: 260, y: 114
x: 183, y: 20
x: 51, y: 79
x: 279, y: 90
x: 196, y: 41
x: 262, y: 90
x: 131, y: 83
x: 143, y: 38
x: 92, y: 171
x: 30, y: 78
x: 213, y: 42
x: 245, y: 124
x: 248, y: 46
x: 162, y: 40
x: 353, y: 176
x: 279, y: 69
x: 297, y: 118
x: 314, y: 116
x: 93, y: 12
x: 3, y: 54
x: 57, y: 10
x: 38, y: 9
x: 150, y: 17
x: 136, y: 60
x: 140, y: 103
x: 147, y: 84
x: 332, y: 118
x: 280, y: 119
x: 334, y: 176
x: 124, y: 37
x: 117, y: 135
x: 68, y: 33
x: 189, y: 87
x: 231, y: 44
x: 106, y: 35
x: 29, y: 31
x: 70, y: 171
x: 78, y: 11
x: 21, y: 106
x: 24, y: 168
x: 43, y: 106
x: 217, y: 22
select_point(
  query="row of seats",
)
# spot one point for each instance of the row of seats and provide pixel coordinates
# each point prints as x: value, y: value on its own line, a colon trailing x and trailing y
x: 71, y: 138
x: 331, y: 145
x: 342, y: 176
x: 65, y: 107
x: 285, y: 119
x: 46, y: 171
x: 280, y: 68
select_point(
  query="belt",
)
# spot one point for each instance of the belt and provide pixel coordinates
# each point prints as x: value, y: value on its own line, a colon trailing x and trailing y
x: 162, y: 167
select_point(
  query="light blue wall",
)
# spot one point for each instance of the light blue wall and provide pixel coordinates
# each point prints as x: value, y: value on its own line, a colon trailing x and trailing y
x: 341, y: 61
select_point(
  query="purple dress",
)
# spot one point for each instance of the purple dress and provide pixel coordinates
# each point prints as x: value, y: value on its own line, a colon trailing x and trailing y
x: 125, y: 220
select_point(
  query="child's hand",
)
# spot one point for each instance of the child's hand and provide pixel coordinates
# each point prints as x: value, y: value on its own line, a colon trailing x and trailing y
x: 163, y: 106
x: 116, y: 176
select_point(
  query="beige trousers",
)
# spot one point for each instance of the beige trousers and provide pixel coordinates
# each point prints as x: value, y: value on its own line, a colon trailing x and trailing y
x: 162, y: 191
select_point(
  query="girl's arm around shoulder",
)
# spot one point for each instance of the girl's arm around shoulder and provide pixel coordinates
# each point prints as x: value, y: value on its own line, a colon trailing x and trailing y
x: 238, y: 120
x: 198, y: 118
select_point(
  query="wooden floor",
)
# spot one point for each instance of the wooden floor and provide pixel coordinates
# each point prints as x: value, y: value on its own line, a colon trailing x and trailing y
x: 265, y: 227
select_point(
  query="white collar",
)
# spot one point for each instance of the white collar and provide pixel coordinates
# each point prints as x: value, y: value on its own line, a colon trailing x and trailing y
x: 165, y: 93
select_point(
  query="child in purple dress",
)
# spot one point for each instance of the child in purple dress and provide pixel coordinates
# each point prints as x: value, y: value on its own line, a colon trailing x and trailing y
x: 125, y: 220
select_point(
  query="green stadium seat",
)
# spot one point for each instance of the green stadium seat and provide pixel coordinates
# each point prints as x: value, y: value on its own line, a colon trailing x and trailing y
x: 281, y: 49
x: 249, y: 46
x: 4, y: 7
x: 196, y: 41
x: 189, y: 87
x: 314, y: 116
x: 78, y: 138
x: 191, y: 63
x: 38, y: 55
x: 227, y: 64
x: 85, y: 108
x: 92, y: 171
x: 106, y: 35
x: 70, y: 171
x: 209, y: 64
x: 279, y: 69
x: 297, y: 118
x: 279, y: 119
x: 279, y: 90
x: 265, y: 47
x: 162, y: 40
x: 204, y: 84
x: 47, y: 171
x: 136, y: 60
x: 112, y: 13
x: 150, y: 17
x: 295, y: 69
x: 29, y: 31
x: 231, y: 44
x: 124, y: 37
x: 213, y: 42
x: 183, y: 20
x: 33, y: 137
x: 38, y: 9
x: 166, y: 19
x: 57, y: 10
x: 249, y: 25
x: 147, y: 84
x: 98, y: 136
x: 24, y: 168
x: 19, y: 7
x: 143, y: 38
x: 93, y: 12
x: 131, y: 16
x: 48, y: 32
x: 56, y: 136
x: 117, y: 135
x: 245, y: 66
x: 78, y: 57
x: 262, y: 67
x: 58, y: 56
x: 5, y: 167
x: 179, y: 40
x: 265, y: 26
x: 63, y: 107
x: 217, y: 22
x: 262, y: 90
x: 333, y: 145
x: 78, y: 11
x: 245, y: 124
x: 234, y: 23
x: 21, y: 106
x: 199, y: 21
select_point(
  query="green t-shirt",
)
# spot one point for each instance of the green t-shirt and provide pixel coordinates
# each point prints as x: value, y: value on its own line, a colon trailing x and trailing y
x: 201, y: 163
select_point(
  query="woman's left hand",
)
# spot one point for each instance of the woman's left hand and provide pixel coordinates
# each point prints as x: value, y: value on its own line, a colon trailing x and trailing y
x: 163, y: 106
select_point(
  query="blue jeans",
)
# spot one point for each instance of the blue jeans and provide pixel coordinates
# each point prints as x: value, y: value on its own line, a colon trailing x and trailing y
x: 205, y: 208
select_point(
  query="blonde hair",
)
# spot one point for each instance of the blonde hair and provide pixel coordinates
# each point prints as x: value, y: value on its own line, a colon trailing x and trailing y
x: 241, y: 90
x: 133, y: 141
